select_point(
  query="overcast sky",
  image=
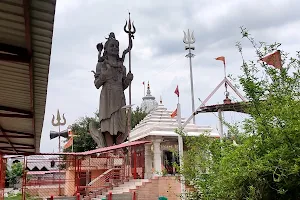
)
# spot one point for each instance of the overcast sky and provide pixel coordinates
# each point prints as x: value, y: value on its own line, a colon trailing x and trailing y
x: 158, y: 53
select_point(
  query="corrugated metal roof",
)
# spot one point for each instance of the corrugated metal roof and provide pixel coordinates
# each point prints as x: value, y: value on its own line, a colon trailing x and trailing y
x: 23, y: 84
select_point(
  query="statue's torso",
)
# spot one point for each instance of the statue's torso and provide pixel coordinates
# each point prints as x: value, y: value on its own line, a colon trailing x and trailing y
x: 113, y: 73
x: 112, y: 94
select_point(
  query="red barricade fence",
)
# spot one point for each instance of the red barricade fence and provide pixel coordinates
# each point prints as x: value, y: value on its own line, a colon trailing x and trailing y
x: 81, y: 174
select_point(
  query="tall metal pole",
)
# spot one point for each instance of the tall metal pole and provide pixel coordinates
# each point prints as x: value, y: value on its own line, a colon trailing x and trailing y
x: 190, y: 39
x: 180, y: 150
x: 59, y: 147
x: 59, y: 187
x: 59, y: 123
x: 73, y: 144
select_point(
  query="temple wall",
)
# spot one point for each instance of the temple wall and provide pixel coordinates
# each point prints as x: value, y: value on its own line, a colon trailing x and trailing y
x: 160, y: 186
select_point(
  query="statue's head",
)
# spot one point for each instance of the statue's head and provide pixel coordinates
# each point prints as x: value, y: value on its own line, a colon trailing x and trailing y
x: 112, y: 35
x: 111, y: 46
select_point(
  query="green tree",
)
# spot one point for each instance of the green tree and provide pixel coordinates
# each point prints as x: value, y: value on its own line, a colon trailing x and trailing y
x: 14, y: 174
x: 265, y: 162
x: 83, y: 140
x: 137, y: 115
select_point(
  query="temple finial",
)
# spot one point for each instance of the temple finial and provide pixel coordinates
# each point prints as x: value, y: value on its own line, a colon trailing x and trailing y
x: 160, y: 101
x: 148, y: 89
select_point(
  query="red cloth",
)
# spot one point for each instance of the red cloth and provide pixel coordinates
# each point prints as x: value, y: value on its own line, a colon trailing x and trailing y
x: 174, y: 113
x: 222, y: 58
x: 177, y: 91
x: 273, y: 59
x: 69, y: 143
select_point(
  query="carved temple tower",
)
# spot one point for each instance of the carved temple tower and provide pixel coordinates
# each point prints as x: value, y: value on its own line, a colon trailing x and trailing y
x: 149, y: 103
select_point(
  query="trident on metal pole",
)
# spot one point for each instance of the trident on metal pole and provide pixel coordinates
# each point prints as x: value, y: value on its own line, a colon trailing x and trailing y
x: 189, y: 39
x: 59, y: 123
x: 128, y: 29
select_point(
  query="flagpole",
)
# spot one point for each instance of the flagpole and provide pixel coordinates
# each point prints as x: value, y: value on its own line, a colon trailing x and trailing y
x: 177, y: 93
x: 72, y: 143
x: 180, y: 150
x: 224, y: 70
x: 144, y: 88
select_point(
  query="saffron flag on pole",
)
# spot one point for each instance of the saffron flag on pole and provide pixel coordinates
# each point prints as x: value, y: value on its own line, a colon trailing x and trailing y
x: 222, y: 58
x: 177, y: 91
x: 69, y: 143
x: 273, y: 59
x: 174, y: 113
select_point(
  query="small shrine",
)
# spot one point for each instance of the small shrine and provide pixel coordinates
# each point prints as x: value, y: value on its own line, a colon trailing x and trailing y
x: 159, y: 128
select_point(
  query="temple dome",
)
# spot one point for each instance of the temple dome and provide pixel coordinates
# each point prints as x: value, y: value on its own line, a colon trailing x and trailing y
x: 149, y: 103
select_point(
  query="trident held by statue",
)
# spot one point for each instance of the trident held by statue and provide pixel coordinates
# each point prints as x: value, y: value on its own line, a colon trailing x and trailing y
x: 130, y: 32
x: 129, y: 28
x: 189, y: 39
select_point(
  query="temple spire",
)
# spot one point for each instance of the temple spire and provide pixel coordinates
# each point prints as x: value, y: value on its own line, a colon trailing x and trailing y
x: 148, y: 90
x: 149, y: 103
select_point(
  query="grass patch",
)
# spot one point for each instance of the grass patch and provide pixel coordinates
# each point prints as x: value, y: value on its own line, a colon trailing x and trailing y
x: 18, y: 196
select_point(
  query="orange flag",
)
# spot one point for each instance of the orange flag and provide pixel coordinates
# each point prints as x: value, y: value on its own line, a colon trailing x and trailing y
x: 222, y: 58
x: 69, y: 143
x: 174, y: 113
x: 273, y: 59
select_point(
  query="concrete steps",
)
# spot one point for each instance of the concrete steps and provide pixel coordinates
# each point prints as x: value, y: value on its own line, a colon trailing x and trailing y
x: 124, y: 189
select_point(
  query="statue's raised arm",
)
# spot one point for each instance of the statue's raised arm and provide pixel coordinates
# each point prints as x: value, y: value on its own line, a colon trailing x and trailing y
x: 127, y: 50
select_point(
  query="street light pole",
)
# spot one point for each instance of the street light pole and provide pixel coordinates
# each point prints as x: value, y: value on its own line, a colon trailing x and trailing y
x: 189, y: 39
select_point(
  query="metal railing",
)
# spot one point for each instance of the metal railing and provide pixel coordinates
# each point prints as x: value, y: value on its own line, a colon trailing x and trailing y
x: 88, y: 175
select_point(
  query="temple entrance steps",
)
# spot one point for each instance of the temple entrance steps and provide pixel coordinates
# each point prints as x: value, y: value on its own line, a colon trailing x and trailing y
x: 124, y: 189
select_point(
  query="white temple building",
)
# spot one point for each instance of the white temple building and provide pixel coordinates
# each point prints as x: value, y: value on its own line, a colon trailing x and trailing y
x: 159, y: 127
